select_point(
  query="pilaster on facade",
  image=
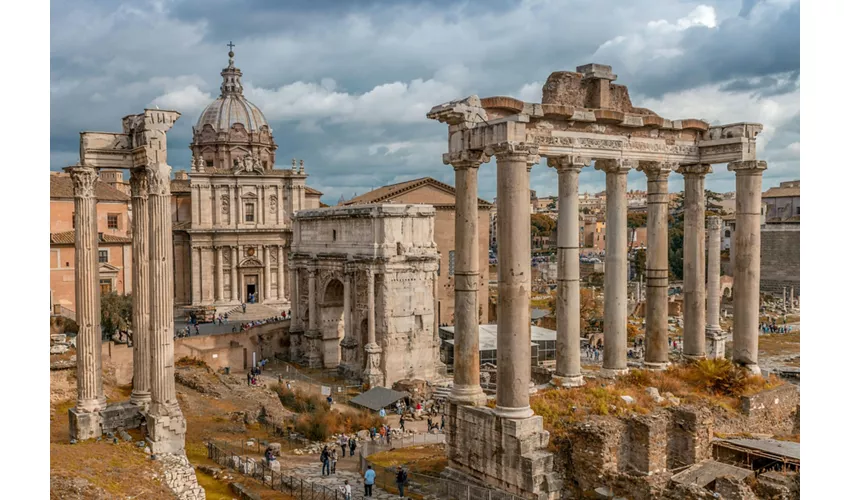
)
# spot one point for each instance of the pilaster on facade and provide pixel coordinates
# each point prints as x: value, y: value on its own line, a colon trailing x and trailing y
x: 141, y: 394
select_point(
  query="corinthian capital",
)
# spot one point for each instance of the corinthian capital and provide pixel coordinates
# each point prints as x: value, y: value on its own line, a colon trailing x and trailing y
x: 748, y: 167
x: 83, y: 179
x: 656, y: 170
x: 516, y: 151
x: 620, y: 166
x: 139, y: 183
x: 568, y: 162
x: 467, y: 158
x: 696, y: 169
x: 159, y: 178
x: 712, y: 222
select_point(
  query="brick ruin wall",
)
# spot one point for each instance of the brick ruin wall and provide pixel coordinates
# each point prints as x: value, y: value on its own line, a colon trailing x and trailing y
x: 780, y: 260
x: 773, y: 411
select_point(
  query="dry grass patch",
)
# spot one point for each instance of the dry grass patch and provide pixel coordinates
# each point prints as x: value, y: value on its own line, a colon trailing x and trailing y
x: 779, y: 344
x: 430, y: 459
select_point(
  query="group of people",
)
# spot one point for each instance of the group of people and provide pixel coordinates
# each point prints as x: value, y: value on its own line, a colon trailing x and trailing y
x: 593, y: 352
x: 772, y: 327
x: 258, y: 322
x: 383, y: 433
x: 369, y: 482
x: 434, y: 425
x: 256, y: 371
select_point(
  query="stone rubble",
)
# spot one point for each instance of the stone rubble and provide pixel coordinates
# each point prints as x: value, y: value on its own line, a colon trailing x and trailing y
x: 180, y: 477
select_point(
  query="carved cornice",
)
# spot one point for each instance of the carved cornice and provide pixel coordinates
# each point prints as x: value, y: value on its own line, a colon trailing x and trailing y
x: 695, y: 170
x: 568, y: 162
x: 748, y: 167
x: 83, y: 179
x: 511, y: 148
x: 139, y: 183
x: 468, y: 158
x: 159, y: 179
x: 467, y: 112
x: 612, y: 166
x: 656, y: 170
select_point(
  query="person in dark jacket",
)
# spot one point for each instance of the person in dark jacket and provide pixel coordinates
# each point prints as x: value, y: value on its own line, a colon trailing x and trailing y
x: 400, y: 480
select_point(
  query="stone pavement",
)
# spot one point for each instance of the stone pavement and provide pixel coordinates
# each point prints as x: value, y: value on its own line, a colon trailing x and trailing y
x: 313, y: 474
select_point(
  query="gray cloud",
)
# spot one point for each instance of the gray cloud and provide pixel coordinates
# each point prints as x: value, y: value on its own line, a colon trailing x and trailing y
x: 345, y: 84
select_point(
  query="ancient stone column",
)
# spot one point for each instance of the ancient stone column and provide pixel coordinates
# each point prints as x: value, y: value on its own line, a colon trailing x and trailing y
x: 467, y: 387
x: 373, y: 373
x: 197, y: 270
x: 616, y: 266
x: 141, y: 394
x: 346, y: 304
x: 313, y: 335
x: 748, y: 175
x: 568, y: 344
x: 296, y: 324
x: 513, y: 164
x: 267, y: 273
x: 234, y: 279
x: 219, y: 274
x: 693, y: 266
x: 166, y: 425
x: 784, y: 300
x: 280, y: 283
x: 84, y: 418
x: 657, y: 174
x: 715, y: 338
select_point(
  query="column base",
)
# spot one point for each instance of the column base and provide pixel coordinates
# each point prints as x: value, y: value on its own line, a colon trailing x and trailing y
x: 693, y: 358
x: 507, y: 453
x: 167, y: 433
x: 715, y: 343
x: 84, y: 425
x: 513, y: 413
x: 656, y: 365
x: 567, y: 381
x: 471, y: 395
x: 373, y: 374
x: 612, y: 372
x: 314, y: 349
x: 752, y: 368
x: 141, y: 399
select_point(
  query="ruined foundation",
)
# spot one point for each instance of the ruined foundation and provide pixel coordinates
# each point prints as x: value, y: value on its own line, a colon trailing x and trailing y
x: 509, y: 454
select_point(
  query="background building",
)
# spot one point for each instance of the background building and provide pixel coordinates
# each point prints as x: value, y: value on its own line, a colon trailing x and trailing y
x: 442, y: 196
x: 113, y: 226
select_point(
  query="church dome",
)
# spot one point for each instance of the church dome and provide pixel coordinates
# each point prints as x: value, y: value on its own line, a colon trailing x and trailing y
x: 228, y: 110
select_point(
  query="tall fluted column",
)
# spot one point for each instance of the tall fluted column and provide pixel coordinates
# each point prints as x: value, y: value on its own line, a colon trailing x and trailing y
x: 373, y: 372
x: 616, y: 266
x: 693, y: 266
x: 280, y: 264
x: 311, y: 291
x: 197, y: 270
x: 219, y: 274
x: 568, y: 344
x: 166, y: 425
x: 84, y: 418
x: 297, y: 313
x: 714, y: 338
x: 513, y: 164
x: 467, y: 387
x: 748, y: 175
x: 657, y: 174
x: 267, y: 273
x: 234, y: 278
x: 346, y: 305
x: 141, y: 394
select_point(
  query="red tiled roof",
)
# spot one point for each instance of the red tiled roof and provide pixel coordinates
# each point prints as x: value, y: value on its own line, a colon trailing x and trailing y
x: 67, y: 238
x: 386, y: 193
x: 61, y: 186
x: 309, y: 190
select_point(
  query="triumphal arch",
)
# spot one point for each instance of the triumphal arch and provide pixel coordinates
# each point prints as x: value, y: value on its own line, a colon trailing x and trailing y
x: 583, y: 119
x: 364, y: 278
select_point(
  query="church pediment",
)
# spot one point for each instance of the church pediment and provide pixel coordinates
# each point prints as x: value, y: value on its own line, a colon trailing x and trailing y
x: 107, y: 268
x: 251, y: 262
x: 249, y: 195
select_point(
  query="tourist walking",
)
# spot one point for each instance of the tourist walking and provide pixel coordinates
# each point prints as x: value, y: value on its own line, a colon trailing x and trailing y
x: 400, y: 480
x: 343, y: 443
x: 368, y: 481
x: 346, y: 490
x: 389, y: 436
x: 401, y: 423
x: 244, y: 307
x: 382, y: 413
x: 352, y: 445
x: 442, y: 423
x: 326, y: 459
x: 333, y: 461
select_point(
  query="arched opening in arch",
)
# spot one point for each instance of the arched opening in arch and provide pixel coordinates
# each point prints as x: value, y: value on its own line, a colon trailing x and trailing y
x: 332, y: 322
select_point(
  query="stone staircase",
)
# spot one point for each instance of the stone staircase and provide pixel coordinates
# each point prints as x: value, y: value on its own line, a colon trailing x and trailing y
x: 441, y: 392
x: 253, y: 311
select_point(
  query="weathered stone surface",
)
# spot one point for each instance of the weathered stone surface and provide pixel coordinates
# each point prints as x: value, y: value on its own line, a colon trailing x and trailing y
x: 180, y: 477
x: 776, y: 408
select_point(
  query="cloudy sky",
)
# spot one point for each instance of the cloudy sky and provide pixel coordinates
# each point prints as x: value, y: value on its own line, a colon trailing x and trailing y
x: 346, y: 85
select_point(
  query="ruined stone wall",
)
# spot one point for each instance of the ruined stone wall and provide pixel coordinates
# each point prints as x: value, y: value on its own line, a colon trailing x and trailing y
x: 773, y: 410
x: 780, y: 258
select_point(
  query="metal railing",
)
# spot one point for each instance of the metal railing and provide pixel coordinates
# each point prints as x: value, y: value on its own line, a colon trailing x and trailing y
x: 260, y: 471
x: 424, y: 485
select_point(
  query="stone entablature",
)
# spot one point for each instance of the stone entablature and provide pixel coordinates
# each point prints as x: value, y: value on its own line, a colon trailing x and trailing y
x: 365, y: 282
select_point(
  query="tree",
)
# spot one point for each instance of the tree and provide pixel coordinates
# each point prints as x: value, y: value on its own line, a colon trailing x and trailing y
x: 589, y: 308
x: 542, y: 225
x: 116, y: 312
x: 634, y: 220
x: 640, y: 262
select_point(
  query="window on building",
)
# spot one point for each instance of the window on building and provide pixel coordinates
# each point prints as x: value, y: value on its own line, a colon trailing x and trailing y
x: 105, y: 286
x: 112, y: 221
x: 249, y: 212
x: 334, y: 234
x: 451, y: 262
x: 103, y: 256
x: 209, y: 163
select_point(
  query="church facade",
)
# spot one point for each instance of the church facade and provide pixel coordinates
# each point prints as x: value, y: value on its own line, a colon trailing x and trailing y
x: 232, y: 212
